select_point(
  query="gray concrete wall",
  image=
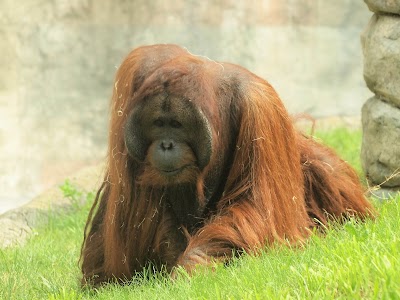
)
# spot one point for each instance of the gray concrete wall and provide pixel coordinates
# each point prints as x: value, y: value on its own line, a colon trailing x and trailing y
x: 58, y: 60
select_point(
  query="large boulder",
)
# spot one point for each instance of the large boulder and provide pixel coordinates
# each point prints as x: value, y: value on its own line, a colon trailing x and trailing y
x: 389, y: 6
x: 380, y: 150
x: 381, y: 47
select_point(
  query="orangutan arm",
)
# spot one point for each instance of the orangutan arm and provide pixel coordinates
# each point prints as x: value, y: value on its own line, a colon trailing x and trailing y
x: 240, y: 227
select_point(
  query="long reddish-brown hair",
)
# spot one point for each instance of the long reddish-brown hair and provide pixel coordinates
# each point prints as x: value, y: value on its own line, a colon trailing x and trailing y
x: 274, y: 183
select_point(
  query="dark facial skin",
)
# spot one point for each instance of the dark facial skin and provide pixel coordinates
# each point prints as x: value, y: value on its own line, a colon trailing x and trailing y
x: 170, y: 134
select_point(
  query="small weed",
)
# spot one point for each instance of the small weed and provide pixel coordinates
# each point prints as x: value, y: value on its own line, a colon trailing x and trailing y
x: 71, y: 192
x: 77, y: 197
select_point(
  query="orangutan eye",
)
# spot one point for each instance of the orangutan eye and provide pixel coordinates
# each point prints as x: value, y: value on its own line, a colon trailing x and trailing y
x: 158, y: 123
x: 175, y: 124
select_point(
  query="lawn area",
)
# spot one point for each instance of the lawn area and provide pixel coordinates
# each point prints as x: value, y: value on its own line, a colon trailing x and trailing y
x: 354, y: 261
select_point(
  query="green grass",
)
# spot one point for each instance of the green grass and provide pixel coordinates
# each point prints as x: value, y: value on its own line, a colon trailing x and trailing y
x: 354, y: 261
x: 347, y: 144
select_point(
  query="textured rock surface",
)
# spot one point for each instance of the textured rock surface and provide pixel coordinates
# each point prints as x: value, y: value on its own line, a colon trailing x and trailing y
x: 389, y: 6
x: 381, y: 47
x: 18, y: 225
x: 383, y: 193
x: 381, y: 142
x: 380, y: 150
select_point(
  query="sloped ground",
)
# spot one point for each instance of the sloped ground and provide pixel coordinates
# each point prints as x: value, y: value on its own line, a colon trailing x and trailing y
x: 18, y: 224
